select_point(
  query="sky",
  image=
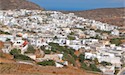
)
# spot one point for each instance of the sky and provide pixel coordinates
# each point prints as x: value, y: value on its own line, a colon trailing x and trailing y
x: 74, y: 5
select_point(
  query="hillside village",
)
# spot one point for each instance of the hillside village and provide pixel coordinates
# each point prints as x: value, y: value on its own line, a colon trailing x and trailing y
x: 48, y: 35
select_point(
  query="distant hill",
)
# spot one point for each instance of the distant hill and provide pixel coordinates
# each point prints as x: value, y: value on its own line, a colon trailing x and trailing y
x: 114, y: 16
x: 18, y: 4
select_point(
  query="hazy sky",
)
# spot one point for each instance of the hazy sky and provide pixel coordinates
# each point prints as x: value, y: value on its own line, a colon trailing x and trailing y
x: 78, y: 4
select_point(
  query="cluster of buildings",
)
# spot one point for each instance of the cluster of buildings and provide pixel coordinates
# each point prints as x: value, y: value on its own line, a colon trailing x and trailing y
x: 38, y: 28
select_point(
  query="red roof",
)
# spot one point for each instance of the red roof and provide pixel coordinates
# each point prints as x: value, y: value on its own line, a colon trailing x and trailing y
x: 25, y: 43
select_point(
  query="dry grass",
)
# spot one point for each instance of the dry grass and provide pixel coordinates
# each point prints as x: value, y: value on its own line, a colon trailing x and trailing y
x: 25, y: 69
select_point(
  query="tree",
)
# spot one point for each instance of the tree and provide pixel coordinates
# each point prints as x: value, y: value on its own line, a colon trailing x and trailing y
x: 96, y: 61
x: 55, y: 37
x: 8, y: 39
x: 42, y: 47
x: 81, y: 58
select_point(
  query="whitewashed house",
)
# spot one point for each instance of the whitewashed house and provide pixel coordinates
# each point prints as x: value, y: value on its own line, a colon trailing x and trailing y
x: 90, y: 56
x: 7, y: 47
x: 115, y: 32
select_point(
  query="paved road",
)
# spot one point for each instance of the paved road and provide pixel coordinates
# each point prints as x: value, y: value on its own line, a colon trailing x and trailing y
x: 122, y: 72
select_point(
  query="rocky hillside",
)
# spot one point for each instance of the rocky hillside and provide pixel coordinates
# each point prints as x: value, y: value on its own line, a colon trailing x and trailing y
x: 25, y: 69
x: 114, y: 16
x: 8, y: 66
x: 18, y: 4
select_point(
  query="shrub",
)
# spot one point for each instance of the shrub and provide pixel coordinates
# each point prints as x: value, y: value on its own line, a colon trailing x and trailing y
x: 105, y: 63
x: 81, y: 58
x: 47, y: 63
x: 91, y: 67
x: 15, y: 51
x: 55, y: 37
x: 69, y: 58
x: 94, y: 68
x: 72, y: 33
x: 71, y: 37
x: 84, y: 66
x: 47, y: 51
x: 8, y: 39
x: 96, y: 61
x: 42, y: 47
x: 2, y: 32
x: 22, y: 57
x: 101, y: 31
x: 68, y: 52
x: 115, y: 41
x: 30, y: 49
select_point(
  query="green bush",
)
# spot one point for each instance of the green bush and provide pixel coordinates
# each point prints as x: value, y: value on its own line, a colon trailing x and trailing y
x: 85, y: 67
x: 15, y: 51
x: 101, y: 31
x: 72, y: 33
x: 47, y: 51
x: 42, y: 47
x: 2, y: 32
x: 69, y: 58
x: 55, y: 37
x: 115, y: 41
x: 47, y: 63
x: 56, y: 48
x: 96, y: 61
x: 81, y: 58
x: 71, y: 37
x: 91, y: 67
x: 18, y: 56
x: 30, y: 49
x: 68, y: 52
x: 22, y: 57
x: 105, y: 63
x: 8, y: 39
x: 94, y: 68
